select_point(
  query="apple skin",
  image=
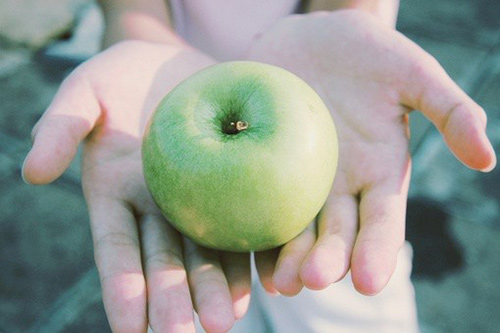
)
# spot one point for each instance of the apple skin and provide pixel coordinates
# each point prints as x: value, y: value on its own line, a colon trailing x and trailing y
x: 247, y: 191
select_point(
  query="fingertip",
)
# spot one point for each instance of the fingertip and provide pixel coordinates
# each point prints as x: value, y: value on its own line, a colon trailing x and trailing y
x: 269, y: 287
x: 371, y: 275
x: 490, y: 167
x: 482, y: 158
x: 241, y: 301
x: 40, y: 170
x: 464, y: 130
x: 314, y: 272
x: 237, y: 269
x: 489, y: 161
x: 285, y: 278
x: 240, y: 295
x: 220, y: 322
x: 369, y: 284
x: 265, y: 263
x: 31, y: 174
x: 475, y: 151
x: 314, y: 281
x: 24, y: 174
x: 287, y: 284
x: 327, y: 263
x: 313, y: 277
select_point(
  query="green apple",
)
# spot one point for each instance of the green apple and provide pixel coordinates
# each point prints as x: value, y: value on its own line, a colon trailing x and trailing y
x: 240, y: 156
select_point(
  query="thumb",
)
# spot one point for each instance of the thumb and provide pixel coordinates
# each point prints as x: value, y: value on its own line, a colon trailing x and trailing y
x: 459, y: 119
x: 68, y: 120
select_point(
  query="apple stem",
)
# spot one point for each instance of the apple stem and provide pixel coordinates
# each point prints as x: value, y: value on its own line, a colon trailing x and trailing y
x: 241, y: 125
x: 236, y: 127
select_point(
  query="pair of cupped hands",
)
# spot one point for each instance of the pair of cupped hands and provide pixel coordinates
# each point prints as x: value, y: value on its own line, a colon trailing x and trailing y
x: 369, y: 76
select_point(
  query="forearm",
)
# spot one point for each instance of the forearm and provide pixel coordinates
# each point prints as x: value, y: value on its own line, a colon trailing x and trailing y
x: 385, y: 10
x: 137, y: 19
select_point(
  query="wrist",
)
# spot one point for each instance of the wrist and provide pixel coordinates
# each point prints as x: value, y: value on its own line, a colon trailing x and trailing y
x: 385, y: 10
x: 136, y: 19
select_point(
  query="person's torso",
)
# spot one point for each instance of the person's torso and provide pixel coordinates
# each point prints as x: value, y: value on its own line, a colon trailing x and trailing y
x: 224, y: 29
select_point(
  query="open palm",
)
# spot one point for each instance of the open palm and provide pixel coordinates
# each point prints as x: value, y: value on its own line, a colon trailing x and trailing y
x: 370, y: 77
x: 148, y: 272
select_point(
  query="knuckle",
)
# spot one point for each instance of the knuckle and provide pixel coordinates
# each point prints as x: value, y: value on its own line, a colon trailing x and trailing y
x: 163, y: 258
x: 113, y: 242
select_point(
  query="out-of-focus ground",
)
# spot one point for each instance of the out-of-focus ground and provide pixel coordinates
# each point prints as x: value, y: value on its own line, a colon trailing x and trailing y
x: 48, y: 282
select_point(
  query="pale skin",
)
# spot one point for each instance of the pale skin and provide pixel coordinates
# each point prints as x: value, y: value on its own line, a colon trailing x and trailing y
x: 369, y: 76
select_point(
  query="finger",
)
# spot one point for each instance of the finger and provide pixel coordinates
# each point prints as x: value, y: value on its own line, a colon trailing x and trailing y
x: 209, y: 288
x: 329, y: 259
x: 459, y: 119
x: 286, y: 278
x: 265, y: 263
x: 237, y: 269
x: 381, y: 234
x: 68, y: 120
x: 169, y: 302
x: 118, y: 260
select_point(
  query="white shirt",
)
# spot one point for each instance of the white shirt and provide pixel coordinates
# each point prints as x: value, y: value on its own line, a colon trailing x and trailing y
x: 224, y: 29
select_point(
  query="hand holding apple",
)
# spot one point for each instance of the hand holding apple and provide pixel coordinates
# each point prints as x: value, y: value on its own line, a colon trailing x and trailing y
x: 370, y: 77
x: 149, y: 273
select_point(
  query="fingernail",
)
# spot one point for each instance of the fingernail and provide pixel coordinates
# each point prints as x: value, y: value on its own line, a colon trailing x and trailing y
x: 270, y: 290
x: 490, y: 167
x: 22, y: 171
x: 273, y: 293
